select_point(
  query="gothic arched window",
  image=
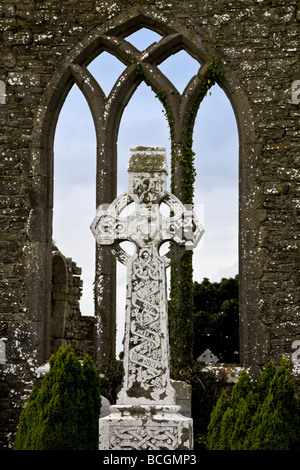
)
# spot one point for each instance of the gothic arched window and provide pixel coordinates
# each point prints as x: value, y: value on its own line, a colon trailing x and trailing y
x: 135, y: 64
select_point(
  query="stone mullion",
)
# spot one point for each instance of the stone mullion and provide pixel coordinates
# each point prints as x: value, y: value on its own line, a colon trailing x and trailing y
x: 181, y: 320
x: 178, y: 328
x: 105, y: 279
x: 106, y: 187
x: 176, y: 106
x: 105, y: 263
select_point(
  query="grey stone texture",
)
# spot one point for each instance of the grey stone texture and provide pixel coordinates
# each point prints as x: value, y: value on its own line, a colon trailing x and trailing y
x: 45, y: 48
x: 68, y: 326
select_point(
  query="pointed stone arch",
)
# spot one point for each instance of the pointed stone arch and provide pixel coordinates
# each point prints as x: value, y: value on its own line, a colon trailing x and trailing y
x: 107, y: 113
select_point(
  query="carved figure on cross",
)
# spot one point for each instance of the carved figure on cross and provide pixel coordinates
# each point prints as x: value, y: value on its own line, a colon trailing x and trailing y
x: 146, y: 344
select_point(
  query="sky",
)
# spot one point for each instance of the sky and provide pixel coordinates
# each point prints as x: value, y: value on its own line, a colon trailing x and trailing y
x: 144, y: 123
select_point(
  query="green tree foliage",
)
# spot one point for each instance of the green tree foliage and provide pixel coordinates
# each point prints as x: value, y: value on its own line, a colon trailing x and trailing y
x: 263, y: 415
x: 214, y: 427
x: 64, y: 413
x: 216, y: 319
x: 277, y: 421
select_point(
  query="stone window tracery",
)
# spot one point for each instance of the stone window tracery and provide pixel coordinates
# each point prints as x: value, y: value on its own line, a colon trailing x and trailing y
x: 107, y: 107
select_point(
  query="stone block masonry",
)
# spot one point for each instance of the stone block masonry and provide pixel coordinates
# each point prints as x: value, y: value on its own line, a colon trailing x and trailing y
x: 68, y: 326
x: 257, y: 52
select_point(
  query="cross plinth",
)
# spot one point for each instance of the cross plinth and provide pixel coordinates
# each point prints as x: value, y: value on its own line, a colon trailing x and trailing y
x: 147, y: 388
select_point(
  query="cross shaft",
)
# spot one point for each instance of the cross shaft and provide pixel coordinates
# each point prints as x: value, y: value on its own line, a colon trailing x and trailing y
x: 146, y: 354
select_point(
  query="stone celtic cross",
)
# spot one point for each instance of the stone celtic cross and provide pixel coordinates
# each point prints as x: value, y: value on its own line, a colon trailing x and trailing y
x: 146, y: 353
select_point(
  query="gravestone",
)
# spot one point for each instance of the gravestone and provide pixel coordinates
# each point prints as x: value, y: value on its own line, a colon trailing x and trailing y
x: 146, y: 415
x: 208, y: 357
x: 183, y: 393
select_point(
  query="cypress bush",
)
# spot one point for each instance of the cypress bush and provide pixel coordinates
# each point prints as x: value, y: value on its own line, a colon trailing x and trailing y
x: 260, y: 416
x: 64, y: 413
x: 214, y: 426
x: 277, y: 420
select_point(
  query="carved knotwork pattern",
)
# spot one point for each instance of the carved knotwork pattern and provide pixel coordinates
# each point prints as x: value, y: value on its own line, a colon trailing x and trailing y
x: 147, y: 189
x: 145, y: 341
x: 154, y: 437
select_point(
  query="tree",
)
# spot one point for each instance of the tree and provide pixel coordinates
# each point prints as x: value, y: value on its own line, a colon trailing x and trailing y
x: 91, y: 404
x: 214, y: 427
x: 28, y: 423
x: 277, y: 420
x: 216, y: 318
x: 259, y: 416
x: 64, y: 413
x: 265, y: 380
x: 241, y: 389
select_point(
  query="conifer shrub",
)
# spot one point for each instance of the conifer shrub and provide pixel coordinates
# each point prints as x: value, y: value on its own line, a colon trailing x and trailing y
x: 64, y: 413
x: 262, y: 415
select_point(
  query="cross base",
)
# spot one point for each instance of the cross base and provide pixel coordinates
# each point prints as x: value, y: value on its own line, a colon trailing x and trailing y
x: 145, y: 427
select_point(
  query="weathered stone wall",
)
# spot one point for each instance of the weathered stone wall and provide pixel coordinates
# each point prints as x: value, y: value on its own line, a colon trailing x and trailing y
x: 68, y: 326
x: 258, y: 52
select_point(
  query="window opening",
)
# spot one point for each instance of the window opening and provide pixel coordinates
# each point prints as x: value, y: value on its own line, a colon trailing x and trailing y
x: 179, y: 69
x: 106, y: 69
x: 216, y: 163
x: 143, y: 38
x: 216, y: 257
x: 74, y: 190
x: 143, y: 123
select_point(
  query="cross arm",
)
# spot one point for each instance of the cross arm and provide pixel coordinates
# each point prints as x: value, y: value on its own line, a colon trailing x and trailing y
x: 108, y: 227
x: 183, y: 226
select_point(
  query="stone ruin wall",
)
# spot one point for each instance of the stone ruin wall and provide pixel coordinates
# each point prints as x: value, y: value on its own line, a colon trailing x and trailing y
x: 68, y: 326
x: 258, y: 50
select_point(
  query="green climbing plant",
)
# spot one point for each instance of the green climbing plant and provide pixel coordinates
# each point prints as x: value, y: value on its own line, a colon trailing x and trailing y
x: 182, y: 161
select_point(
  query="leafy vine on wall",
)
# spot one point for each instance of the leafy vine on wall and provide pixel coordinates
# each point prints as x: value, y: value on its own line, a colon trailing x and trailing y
x: 182, y: 160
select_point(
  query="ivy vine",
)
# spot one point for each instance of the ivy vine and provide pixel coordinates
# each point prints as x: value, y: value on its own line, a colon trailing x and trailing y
x: 181, y: 301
